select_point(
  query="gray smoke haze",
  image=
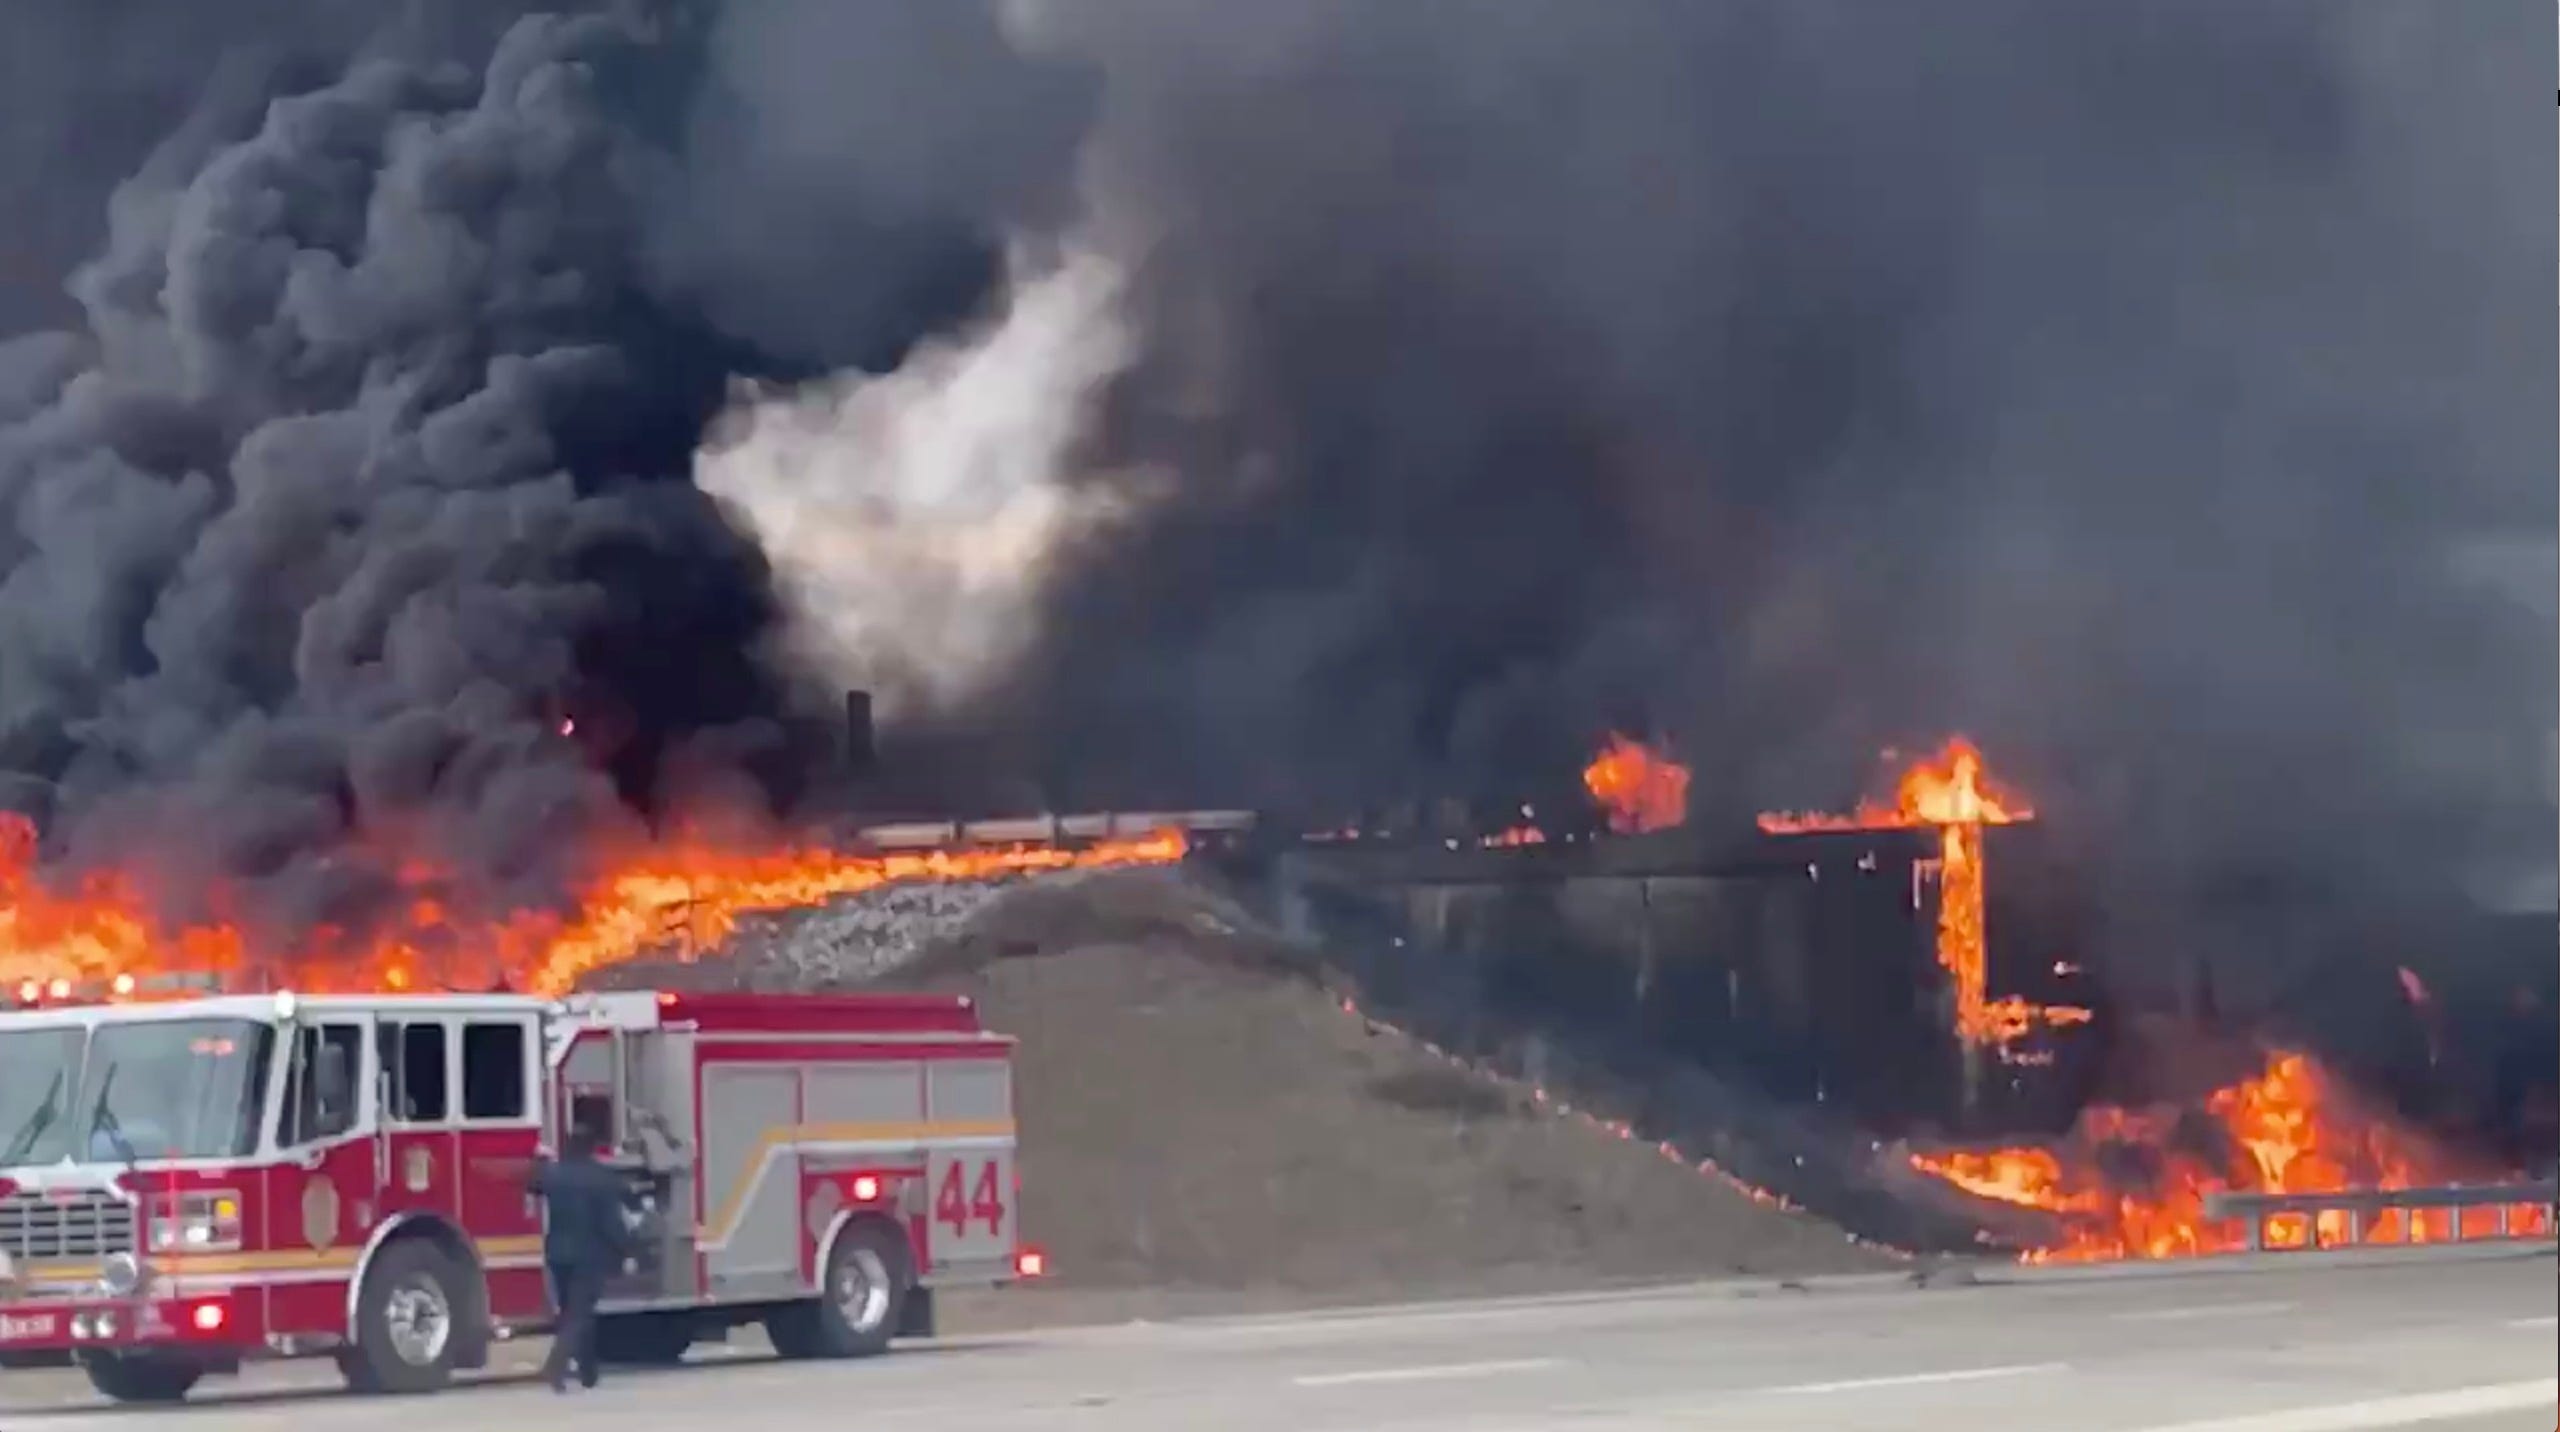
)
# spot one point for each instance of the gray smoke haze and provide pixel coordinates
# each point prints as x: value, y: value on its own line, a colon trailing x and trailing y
x: 2135, y: 388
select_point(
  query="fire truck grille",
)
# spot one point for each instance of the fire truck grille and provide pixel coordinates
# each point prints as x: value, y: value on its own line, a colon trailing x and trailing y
x: 37, y: 1226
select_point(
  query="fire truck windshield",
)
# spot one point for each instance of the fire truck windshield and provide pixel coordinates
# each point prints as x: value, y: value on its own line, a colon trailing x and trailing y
x: 36, y: 1070
x: 149, y: 1089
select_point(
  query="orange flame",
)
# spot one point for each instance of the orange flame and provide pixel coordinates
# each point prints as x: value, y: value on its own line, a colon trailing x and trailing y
x: 687, y: 891
x: 2286, y: 1129
x: 1950, y: 788
x: 1641, y: 789
x: 1952, y: 792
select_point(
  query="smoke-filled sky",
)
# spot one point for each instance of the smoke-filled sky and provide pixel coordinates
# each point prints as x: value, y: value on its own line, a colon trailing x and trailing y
x: 1299, y: 403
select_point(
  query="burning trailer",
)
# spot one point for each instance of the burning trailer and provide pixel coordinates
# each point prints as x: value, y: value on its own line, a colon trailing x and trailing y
x: 1832, y: 961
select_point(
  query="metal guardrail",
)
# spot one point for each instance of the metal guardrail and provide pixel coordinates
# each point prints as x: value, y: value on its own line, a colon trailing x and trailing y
x: 1052, y: 829
x: 2362, y: 1206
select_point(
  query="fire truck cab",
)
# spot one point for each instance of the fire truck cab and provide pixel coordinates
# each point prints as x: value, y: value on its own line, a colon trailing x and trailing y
x: 190, y: 1184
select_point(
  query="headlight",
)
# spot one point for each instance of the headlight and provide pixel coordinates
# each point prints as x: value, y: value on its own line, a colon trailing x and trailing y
x: 121, y: 1275
x: 197, y: 1223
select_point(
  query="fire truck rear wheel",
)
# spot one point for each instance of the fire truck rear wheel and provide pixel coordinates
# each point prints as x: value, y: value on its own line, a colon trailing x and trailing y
x: 408, y: 1320
x: 140, y: 1377
x: 868, y: 1279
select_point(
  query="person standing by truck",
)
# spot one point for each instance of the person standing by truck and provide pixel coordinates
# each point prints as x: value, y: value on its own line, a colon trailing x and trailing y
x: 584, y: 1242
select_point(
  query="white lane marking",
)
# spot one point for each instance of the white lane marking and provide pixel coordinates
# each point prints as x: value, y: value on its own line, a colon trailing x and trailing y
x: 1742, y: 1295
x: 2544, y: 1322
x: 1914, y: 1379
x: 2410, y: 1411
x: 2206, y: 1310
x: 1434, y: 1373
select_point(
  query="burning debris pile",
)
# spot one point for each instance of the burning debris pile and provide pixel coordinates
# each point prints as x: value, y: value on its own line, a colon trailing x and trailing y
x: 2132, y: 1183
x: 685, y: 893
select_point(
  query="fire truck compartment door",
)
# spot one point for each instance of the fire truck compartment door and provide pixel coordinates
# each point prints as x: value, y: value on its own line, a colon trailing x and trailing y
x: 750, y: 1169
x: 969, y: 1189
x: 970, y: 1206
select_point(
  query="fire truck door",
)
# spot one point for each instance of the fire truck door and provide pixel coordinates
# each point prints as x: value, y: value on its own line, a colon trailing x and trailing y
x: 320, y: 1199
x: 499, y: 1055
x: 414, y: 1059
x: 586, y: 1087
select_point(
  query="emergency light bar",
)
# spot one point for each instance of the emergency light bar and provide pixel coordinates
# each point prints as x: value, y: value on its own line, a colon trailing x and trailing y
x: 58, y: 991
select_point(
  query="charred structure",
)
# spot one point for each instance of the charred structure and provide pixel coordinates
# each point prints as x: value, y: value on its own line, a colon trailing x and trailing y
x: 1799, y: 967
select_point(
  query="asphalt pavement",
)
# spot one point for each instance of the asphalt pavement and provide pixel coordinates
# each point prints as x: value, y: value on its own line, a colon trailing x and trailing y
x: 2451, y: 1341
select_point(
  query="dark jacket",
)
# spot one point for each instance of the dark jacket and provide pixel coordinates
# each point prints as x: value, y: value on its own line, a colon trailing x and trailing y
x: 586, y: 1201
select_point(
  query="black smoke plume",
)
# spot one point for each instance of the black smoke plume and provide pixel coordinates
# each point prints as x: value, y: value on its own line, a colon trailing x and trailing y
x: 351, y: 526
x: 2147, y: 391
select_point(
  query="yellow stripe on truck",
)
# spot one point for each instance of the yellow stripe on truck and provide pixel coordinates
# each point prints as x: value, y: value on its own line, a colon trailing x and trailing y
x: 292, y: 1260
x: 313, y: 1260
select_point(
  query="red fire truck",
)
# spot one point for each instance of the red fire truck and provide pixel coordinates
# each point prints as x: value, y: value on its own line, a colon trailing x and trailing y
x: 189, y: 1184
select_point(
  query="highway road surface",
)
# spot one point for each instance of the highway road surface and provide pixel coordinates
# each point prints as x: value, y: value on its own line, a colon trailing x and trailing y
x: 2447, y: 1341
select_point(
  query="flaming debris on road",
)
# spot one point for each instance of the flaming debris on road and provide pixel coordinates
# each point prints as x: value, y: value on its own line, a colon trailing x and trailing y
x: 2132, y: 1183
x: 687, y: 891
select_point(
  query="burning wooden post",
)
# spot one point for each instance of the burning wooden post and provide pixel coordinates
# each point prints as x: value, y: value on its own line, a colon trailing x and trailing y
x: 1951, y: 794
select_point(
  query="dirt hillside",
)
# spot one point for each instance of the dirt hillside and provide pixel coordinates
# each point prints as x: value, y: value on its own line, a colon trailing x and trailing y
x: 1203, y: 1125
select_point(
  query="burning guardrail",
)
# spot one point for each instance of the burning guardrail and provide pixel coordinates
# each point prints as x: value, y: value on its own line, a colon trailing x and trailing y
x: 2282, y: 1158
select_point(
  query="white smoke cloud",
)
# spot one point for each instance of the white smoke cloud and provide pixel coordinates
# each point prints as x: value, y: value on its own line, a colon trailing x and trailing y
x: 912, y: 516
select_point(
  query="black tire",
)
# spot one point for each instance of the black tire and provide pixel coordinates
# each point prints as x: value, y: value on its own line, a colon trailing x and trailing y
x: 643, y: 1339
x: 140, y: 1376
x: 861, y: 1299
x: 412, y: 1287
x: 916, y: 1319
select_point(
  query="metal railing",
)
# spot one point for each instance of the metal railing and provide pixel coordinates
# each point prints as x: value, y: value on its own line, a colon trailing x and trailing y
x: 2352, y: 1217
x: 1053, y: 829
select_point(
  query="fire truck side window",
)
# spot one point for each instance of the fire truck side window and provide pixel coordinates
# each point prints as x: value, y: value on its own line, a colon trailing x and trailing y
x: 320, y: 1097
x: 493, y: 1076
x: 413, y: 1056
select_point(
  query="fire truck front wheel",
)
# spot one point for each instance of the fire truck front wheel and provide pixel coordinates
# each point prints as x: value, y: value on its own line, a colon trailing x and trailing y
x: 140, y: 1377
x: 409, y: 1319
x: 868, y: 1280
